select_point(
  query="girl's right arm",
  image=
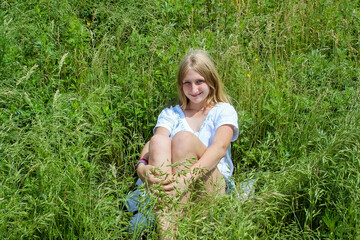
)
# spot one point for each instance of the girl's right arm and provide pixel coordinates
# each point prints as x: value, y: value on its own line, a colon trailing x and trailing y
x: 146, y: 172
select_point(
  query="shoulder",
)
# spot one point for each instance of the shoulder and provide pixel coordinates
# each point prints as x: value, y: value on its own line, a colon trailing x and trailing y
x: 168, y: 118
x: 225, y: 108
x: 225, y: 113
x: 172, y: 112
x: 224, y: 105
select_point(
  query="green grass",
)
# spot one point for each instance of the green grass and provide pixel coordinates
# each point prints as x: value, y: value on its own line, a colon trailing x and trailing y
x: 82, y: 84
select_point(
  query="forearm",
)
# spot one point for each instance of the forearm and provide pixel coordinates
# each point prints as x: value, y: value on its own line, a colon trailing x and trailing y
x: 140, y: 170
x: 214, y: 153
x: 207, y: 162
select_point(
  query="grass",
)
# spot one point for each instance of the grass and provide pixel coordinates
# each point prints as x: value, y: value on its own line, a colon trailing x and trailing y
x: 82, y: 84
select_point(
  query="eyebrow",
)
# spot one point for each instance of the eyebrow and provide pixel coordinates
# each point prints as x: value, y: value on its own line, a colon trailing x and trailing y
x: 198, y: 79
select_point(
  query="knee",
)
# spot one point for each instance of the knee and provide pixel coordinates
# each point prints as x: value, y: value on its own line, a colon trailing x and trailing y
x: 182, y: 140
x: 184, y: 144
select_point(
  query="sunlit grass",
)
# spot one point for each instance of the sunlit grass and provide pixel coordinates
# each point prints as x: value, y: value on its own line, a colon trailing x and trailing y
x: 82, y: 84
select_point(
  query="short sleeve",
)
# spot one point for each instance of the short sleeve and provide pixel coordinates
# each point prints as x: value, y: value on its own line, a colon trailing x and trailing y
x: 166, y: 119
x: 228, y: 115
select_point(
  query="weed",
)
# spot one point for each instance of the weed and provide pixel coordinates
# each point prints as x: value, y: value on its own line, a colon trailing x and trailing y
x: 82, y: 84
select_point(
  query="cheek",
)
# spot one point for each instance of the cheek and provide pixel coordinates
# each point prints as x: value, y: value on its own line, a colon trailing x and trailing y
x: 210, y: 91
x: 207, y: 87
x: 185, y: 88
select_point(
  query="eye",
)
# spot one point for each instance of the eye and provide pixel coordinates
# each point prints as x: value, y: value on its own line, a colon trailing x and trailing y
x: 186, y: 83
x: 200, y: 81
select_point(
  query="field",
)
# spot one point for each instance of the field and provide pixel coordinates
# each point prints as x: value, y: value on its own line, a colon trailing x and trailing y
x: 82, y: 84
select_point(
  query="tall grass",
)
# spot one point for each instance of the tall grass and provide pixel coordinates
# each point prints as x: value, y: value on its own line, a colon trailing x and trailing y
x: 82, y: 84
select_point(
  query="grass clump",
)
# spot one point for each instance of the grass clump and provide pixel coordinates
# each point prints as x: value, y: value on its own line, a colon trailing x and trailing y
x: 82, y: 83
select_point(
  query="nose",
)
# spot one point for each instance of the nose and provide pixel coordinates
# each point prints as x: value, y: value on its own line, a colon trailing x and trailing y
x: 194, y: 88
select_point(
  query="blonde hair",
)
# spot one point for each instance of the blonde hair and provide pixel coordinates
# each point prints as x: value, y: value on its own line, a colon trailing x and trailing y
x: 200, y: 62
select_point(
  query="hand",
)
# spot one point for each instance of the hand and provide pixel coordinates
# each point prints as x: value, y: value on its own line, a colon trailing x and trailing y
x: 149, y: 175
x: 177, y: 185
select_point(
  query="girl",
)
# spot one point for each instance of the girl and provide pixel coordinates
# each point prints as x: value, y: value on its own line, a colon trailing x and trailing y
x: 201, y: 127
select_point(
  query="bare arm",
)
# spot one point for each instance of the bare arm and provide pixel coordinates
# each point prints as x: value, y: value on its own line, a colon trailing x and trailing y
x: 217, y: 150
x: 145, y: 172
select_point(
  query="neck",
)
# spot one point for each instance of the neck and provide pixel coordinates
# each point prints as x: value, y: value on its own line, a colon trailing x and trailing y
x: 198, y: 107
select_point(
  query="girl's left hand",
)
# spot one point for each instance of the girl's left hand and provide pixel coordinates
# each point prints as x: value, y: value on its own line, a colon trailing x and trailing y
x: 177, y: 185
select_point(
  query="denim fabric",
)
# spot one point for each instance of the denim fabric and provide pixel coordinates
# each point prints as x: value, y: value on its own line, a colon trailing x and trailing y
x: 138, y: 202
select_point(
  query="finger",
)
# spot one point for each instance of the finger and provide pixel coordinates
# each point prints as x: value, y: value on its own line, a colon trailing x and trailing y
x: 165, y: 183
x: 170, y: 193
x: 155, y: 192
x: 155, y: 180
x: 168, y: 187
x: 168, y: 181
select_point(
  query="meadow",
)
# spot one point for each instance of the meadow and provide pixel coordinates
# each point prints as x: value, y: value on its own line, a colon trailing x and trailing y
x: 82, y: 84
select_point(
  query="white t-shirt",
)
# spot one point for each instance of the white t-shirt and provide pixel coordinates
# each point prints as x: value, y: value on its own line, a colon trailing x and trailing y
x: 173, y: 119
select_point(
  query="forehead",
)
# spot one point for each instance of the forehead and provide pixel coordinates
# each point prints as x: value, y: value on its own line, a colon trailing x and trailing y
x: 191, y: 74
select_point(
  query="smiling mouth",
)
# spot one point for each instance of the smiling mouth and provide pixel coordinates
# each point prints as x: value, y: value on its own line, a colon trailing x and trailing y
x: 195, y: 95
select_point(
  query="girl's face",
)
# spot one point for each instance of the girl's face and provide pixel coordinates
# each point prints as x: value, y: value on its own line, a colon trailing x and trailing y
x: 195, y: 87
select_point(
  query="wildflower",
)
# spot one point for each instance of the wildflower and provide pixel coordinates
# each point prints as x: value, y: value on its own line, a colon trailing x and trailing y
x: 248, y: 75
x: 256, y: 59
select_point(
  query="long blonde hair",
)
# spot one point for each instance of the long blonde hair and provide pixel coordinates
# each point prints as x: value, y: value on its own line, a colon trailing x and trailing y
x: 200, y: 62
